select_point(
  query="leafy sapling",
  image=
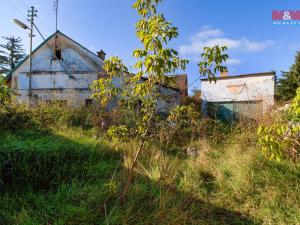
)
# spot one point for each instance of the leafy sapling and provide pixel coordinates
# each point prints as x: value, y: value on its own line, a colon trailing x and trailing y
x: 212, y: 60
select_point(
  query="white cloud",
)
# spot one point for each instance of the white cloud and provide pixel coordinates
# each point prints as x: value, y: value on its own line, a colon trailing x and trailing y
x: 255, y: 46
x: 233, y: 62
x: 206, y: 32
x: 210, y: 37
x: 229, y: 43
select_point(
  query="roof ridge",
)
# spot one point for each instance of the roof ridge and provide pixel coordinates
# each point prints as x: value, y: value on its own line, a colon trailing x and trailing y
x: 244, y: 75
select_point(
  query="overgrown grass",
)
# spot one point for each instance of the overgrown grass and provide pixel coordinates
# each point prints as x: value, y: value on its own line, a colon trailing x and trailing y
x: 236, y: 179
x: 64, y: 172
x: 54, y: 178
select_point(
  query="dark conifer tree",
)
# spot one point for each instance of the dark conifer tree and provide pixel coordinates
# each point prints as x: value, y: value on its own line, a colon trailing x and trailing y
x: 290, y: 81
x: 11, y: 53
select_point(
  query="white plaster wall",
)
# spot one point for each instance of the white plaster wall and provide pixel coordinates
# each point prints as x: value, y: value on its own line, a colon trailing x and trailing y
x: 68, y: 79
x: 171, y: 98
x: 256, y: 88
x: 65, y: 79
x: 75, y: 98
x: 61, y: 80
x: 75, y: 58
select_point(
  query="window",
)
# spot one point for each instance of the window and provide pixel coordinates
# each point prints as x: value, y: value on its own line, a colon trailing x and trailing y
x: 57, y: 53
x: 88, y: 102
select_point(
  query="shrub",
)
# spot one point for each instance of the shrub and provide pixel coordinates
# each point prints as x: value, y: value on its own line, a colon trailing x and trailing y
x: 117, y: 133
x: 43, y: 116
x: 13, y: 117
x: 181, y: 125
x: 282, y: 138
x: 293, y: 112
x: 4, y: 92
x: 185, y: 125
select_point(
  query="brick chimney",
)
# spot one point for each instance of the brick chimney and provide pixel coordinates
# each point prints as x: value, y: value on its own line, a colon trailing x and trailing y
x: 181, y: 84
x: 224, y: 74
x: 101, y: 54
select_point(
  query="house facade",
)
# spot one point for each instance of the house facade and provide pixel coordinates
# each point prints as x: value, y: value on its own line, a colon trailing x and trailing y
x: 63, y: 70
x: 248, y: 95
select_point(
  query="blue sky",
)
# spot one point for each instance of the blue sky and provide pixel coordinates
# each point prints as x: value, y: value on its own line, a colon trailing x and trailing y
x: 255, y: 45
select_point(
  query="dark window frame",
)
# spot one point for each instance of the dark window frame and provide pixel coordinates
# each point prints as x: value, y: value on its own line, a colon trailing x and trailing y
x: 57, y: 54
x: 88, y: 102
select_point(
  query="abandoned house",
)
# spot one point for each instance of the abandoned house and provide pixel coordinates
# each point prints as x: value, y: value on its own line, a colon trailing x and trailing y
x: 63, y: 70
x: 232, y: 97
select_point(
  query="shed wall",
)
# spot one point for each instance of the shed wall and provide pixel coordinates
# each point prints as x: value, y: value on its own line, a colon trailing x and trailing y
x: 241, y: 89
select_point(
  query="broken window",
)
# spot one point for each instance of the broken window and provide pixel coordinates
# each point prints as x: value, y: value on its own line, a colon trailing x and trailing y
x: 88, y: 102
x: 57, y: 54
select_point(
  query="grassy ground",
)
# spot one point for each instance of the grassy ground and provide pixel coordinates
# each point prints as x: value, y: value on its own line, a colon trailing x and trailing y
x: 72, y: 176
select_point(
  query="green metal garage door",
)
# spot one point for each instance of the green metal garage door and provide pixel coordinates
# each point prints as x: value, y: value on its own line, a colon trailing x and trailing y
x: 231, y: 111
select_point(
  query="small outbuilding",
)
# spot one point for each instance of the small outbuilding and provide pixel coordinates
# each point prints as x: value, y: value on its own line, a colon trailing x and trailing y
x: 231, y: 97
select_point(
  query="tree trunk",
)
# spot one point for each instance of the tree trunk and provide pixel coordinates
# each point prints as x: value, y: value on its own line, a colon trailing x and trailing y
x: 142, y: 142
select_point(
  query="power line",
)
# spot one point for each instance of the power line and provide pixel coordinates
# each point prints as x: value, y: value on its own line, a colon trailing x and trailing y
x: 31, y: 16
x: 194, y: 81
x: 68, y: 72
x: 39, y: 31
x: 17, y: 9
x: 24, y: 16
x: 23, y: 3
x: 48, y: 27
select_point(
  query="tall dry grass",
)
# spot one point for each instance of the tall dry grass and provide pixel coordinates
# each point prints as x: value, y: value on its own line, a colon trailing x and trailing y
x: 57, y: 170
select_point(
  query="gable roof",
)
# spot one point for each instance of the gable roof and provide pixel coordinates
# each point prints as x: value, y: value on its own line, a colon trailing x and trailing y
x: 9, y: 75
